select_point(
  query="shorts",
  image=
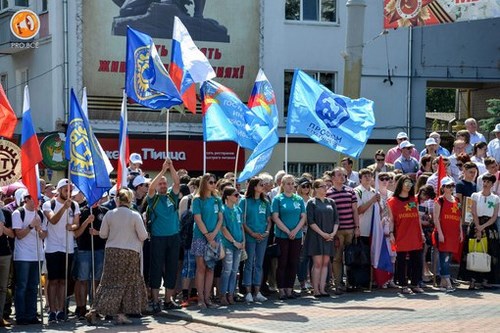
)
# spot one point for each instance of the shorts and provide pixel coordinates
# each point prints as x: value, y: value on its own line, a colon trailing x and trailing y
x: 188, y: 266
x: 84, y: 265
x: 198, y: 247
x: 56, y: 263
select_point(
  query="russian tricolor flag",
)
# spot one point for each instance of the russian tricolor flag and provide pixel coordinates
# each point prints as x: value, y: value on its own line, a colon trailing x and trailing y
x: 188, y: 65
x: 123, y: 146
x: 30, y: 151
x: 381, y: 251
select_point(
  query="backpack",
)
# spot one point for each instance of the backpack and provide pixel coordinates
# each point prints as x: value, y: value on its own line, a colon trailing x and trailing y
x: 187, y: 225
x: 53, y: 205
x: 22, y: 212
x: 150, y: 210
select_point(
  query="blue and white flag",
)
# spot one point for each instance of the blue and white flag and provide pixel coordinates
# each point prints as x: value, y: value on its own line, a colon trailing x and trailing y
x: 263, y: 120
x: 147, y: 81
x: 335, y: 121
x: 224, y: 116
x: 87, y: 169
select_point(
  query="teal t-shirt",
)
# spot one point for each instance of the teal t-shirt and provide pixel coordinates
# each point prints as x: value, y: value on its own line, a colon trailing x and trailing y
x: 234, y: 224
x: 209, y: 209
x: 165, y: 219
x: 289, y: 210
x: 257, y: 212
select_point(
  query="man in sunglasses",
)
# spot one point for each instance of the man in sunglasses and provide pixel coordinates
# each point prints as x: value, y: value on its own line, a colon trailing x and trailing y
x: 380, y: 164
x: 395, y: 152
x: 406, y: 163
x: 455, y: 168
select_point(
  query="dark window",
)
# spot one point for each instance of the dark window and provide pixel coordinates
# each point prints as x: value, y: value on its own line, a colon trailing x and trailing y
x: 311, y: 10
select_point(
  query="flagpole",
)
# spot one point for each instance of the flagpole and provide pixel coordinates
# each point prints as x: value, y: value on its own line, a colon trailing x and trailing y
x: 236, y: 165
x: 40, y: 293
x: 67, y: 246
x: 93, y: 260
x: 168, y: 129
x: 204, y: 157
x: 286, y: 153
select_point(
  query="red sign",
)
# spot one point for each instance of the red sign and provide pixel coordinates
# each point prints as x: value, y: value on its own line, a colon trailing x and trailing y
x: 185, y: 154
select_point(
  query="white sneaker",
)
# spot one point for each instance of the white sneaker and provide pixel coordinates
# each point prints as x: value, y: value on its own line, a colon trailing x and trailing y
x: 249, y: 298
x: 308, y: 285
x: 260, y: 298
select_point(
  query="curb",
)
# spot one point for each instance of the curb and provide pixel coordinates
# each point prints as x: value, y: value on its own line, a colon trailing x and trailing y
x: 187, y: 317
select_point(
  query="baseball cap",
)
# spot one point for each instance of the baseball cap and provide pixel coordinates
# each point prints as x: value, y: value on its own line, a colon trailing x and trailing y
x: 303, y: 181
x: 447, y: 181
x: 135, y: 158
x: 497, y: 128
x: 62, y: 183
x: 405, y: 144
x: 430, y: 141
x: 112, y: 191
x: 402, y: 135
x: 20, y: 194
x: 139, y: 180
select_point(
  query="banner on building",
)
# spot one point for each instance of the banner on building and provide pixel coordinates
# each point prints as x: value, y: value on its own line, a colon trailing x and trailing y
x: 411, y: 13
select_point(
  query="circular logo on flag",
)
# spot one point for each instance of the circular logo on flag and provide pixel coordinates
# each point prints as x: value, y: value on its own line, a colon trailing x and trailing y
x: 331, y: 110
x: 10, y: 162
x: 52, y: 148
x: 25, y: 24
x: 143, y: 73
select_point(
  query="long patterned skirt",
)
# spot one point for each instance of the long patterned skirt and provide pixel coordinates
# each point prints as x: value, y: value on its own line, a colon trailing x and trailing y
x: 122, y: 288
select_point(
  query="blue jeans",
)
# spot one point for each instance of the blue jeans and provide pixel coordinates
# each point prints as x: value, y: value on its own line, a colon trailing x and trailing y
x: 444, y: 264
x: 252, y: 274
x: 230, y: 263
x: 27, y: 279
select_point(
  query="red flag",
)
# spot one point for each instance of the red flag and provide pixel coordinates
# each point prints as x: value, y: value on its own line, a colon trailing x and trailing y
x: 8, y: 118
x: 441, y: 174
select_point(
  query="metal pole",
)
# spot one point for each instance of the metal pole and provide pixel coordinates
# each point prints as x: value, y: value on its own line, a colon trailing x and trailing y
x: 204, y: 157
x: 408, y: 92
x: 168, y: 129
x: 286, y: 153
x: 40, y: 293
x: 236, y: 165
x: 93, y: 261
x: 67, y: 252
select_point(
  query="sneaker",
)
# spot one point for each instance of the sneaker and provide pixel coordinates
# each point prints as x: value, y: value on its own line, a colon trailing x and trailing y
x: 391, y: 284
x: 418, y: 290
x: 308, y: 285
x: 260, y: 298
x: 52, y: 317
x: 60, y: 316
x: 171, y: 306
x: 450, y: 289
x: 156, y: 307
x: 249, y: 298
x: 406, y: 291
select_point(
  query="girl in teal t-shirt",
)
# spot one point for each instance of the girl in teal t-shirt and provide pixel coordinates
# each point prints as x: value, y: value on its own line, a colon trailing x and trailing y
x: 207, y: 211
x: 234, y: 242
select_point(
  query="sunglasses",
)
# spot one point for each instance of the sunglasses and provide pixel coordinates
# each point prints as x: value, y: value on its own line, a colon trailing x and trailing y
x: 450, y: 186
x: 408, y: 183
x: 384, y: 179
x: 236, y: 194
x: 305, y: 186
x: 380, y: 159
x: 211, y: 182
x: 322, y: 186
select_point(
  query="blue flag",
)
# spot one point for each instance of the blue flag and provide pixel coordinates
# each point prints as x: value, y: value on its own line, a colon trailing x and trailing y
x: 335, y: 121
x: 146, y: 80
x: 87, y: 169
x: 263, y: 120
x: 224, y: 116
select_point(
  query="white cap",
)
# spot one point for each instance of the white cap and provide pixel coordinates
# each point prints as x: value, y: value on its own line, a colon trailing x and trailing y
x: 430, y: 141
x: 135, y: 158
x: 112, y: 191
x: 75, y: 191
x: 405, y: 144
x: 447, y: 181
x: 139, y: 180
x: 20, y: 194
x: 497, y: 128
x: 63, y: 182
x: 402, y: 135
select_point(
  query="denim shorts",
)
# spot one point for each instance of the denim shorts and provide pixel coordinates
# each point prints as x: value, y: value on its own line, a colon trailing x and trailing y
x: 84, y: 265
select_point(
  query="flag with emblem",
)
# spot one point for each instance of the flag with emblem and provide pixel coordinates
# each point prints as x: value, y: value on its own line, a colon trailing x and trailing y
x: 188, y: 65
x: 335, y: 121
x: 30, y: 151
x: 263, y: 121
x: 8, y: 118
x: 224, y: 116
x: 147, y: 81
x: 87, y: 169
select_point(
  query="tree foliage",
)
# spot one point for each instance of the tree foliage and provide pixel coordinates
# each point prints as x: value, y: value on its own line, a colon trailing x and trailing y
x: 440, y: 100
x: 488, y: 124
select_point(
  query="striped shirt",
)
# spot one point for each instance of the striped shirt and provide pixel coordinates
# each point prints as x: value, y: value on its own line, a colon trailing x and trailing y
x: 344, y: 199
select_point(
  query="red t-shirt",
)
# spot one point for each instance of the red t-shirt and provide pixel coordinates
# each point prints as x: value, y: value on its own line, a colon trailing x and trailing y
x: 449, y: 218
x: 406, y: 224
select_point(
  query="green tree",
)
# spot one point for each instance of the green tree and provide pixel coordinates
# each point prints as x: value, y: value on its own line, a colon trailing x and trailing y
x: 440, y: 100
x: 488, y: 124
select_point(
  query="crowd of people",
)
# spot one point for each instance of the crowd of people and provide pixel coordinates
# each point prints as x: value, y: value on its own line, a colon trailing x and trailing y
x: 214, y: 242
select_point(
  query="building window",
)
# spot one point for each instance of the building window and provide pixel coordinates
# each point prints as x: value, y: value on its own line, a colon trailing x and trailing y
x: 22, y: 79
x: 22, y: 3
x: 325, y: 78
x: 4, y: 82
x: 4, y: 4
x: 45, y: 6
x: 315, y: 169
x: 311, y: 10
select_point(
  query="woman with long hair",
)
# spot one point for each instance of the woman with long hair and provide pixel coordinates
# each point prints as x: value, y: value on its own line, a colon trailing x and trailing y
x: 304, y: 190
x: 122, y: 289
x: 323, y: 222
x: 257, y: 223
x: 289, y: 216
x: 406, y: 233
x: 478, y: 155
x: 447, y: 218
x: 207, y: 211
x: 425, y: 165
x: 234, y: 243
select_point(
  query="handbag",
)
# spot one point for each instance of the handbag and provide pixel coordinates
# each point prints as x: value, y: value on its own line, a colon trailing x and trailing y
x: 357, y: 253
x: 273, y: 250
x: 244, y: 255
x: 478, y: 246
x: 478, y: 261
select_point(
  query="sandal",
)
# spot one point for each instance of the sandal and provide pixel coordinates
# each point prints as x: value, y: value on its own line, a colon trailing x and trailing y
x: 406, y: 291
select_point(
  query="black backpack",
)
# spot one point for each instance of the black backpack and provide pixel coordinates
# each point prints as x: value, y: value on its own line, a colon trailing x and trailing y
x: 187, y: 225
x: 22, y: 212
